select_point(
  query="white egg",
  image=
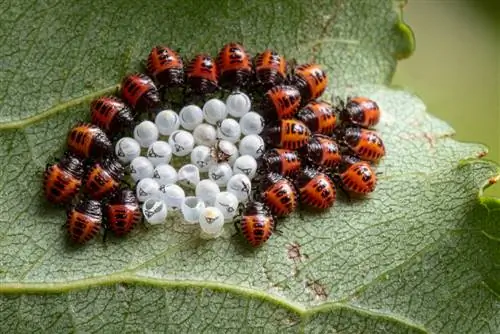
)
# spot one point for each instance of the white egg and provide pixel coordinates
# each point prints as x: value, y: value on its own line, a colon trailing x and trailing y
x: 227, y: 203
x: 159, y: 153
x: 252, y: 145
x: 207, y: 191
x: 188, y: 175
x: 147, y: 188
x: 154, y: 211
x: 205, y: 134
x: 229, y: 129
x: 220, y: 173
x: 172, y: 195
x: 211, y: 222
x: 165, y: 174
x: 201, y: 156
x: 191, y: 209
x: 226, y: 151
x: 241, y: 186
x: 245, y: 164
x: 214, y: 110
x: 167, y: 122
x: 141, y: 168
x: 127, y: 149
x: 252, y: 123
x: 191, y: 116
x: 146, y: 133
x: 238, y: 104
x: 182, y: 143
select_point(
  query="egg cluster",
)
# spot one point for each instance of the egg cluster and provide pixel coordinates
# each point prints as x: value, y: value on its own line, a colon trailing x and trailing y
x: 219, y: 140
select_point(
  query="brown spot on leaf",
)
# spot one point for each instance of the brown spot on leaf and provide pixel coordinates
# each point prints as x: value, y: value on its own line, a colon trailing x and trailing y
x: 430, y: 138
x: 317, y: 289
x: 493, y: 180
x: 294, y: 253
x: 481, y: 154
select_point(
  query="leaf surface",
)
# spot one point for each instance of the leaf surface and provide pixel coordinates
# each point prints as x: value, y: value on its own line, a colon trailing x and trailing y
x: 420, y: 254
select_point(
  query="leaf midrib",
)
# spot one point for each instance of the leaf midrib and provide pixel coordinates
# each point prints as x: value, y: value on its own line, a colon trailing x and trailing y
x: 128, y: 278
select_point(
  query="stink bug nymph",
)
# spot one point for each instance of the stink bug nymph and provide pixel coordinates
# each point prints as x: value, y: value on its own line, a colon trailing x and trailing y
x: 281, y: 102
x: 165, y: 66
x: 256, y: 224
x: 311, y: 80
x: 316, y: 189
x: 84, y: 221
x: 111, y: 114
x: 201, y: 75
x: 122, y: 212
x: 356, y: 176
x: 103, y: 178
x: 319, y: 117
x: 140, y: 92
x: 270, y: 69
x: 366, y: 144
x: 63, y: 180
x: 234, y: 65
x: 88, y: 140
x: 322, y: 151
x: 360, y: 111
x: 290, y: 134
x: 279, y: 194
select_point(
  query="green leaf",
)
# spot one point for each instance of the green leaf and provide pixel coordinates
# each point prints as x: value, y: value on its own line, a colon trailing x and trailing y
x: 421, y: 254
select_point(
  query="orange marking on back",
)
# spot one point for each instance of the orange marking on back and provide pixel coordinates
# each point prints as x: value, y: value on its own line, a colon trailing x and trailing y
x: 100, y: 183
x: 268, y: 60
x: 315, y: 77
x: 80, y: 139
x: 281, y: 198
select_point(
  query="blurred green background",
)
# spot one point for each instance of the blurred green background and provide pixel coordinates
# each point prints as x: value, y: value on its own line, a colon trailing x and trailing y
x: 455, y: 68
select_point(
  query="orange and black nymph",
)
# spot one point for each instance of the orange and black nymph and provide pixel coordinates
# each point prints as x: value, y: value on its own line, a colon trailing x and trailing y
x: 280, y: 102
x: 360, y: 111
x: 290, y: 134
x: 84, y: 221
x: 201, y: 75
x: 311, y: 80
x: 166, y: 67
x: 281, y: 161
x: 103, y: 178
x: 63, y: 180
x: 87, y: 140
x: 279, y: 194
x: 366, y: 144
x: 256, y: 224
x: 322, y: 151
x: 111, y: 114
x: 234, y: 65
x: 356, y: 176
x: 270, y: 69
x: 316, y: 189
x: 319, y: 116
x: 122, y: 212
x: 140, y: 92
